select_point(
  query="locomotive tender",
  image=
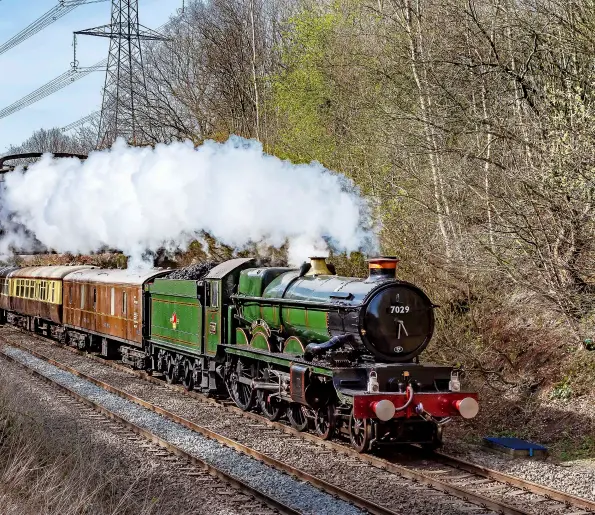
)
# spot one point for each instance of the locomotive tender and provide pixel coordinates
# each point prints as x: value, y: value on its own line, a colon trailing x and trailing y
x: 338, y: 354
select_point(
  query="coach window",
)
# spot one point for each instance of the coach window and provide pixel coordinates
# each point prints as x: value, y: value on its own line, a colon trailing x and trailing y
x: 94, y: 299
x: 83, y: 296
x: 43, y: 291
x: 53, y: 290
x: 124, y: 299
x: 113, y: 303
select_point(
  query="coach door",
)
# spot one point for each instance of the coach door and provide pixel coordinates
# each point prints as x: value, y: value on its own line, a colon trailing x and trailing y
x: 134, y: 319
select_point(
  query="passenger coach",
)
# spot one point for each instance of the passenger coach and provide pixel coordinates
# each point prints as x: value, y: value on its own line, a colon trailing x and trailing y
x: 106, y: 306
x: 34, y: 299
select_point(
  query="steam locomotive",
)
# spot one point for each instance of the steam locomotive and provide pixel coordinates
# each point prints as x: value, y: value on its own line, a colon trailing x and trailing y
x: 338, y: 355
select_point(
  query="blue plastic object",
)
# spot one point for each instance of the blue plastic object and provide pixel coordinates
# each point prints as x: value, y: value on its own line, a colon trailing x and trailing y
x: 515, y: 444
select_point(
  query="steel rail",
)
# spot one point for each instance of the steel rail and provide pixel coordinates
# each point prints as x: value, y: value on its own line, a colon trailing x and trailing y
x: 502, y: 477
x: 214, y: 471
x: 300, y: 474
x: 381, y: 463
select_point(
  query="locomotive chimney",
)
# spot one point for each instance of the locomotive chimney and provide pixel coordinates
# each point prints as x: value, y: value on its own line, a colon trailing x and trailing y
x: 318, y: 267
x: 383, y: 268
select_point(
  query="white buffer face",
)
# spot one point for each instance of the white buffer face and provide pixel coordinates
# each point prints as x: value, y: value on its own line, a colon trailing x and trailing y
x: 384, y: 409
x: 468, y: 407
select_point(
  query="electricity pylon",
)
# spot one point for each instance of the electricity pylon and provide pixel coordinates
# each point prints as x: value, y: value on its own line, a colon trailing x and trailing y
x: 125, y: 90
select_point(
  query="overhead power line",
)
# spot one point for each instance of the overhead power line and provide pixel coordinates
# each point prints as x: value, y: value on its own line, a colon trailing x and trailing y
x: 58, y: 83
x: 54, y: 14
x: 82, y: 121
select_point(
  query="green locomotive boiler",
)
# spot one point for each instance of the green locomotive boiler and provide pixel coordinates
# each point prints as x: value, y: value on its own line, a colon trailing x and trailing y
x: 336, y: 354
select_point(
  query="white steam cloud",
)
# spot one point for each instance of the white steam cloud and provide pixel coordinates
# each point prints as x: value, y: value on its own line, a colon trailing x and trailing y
x: 138, y: 199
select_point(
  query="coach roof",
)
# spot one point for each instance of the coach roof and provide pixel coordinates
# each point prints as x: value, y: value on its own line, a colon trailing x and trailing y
x: 105, y: 276
x: 47, y: 272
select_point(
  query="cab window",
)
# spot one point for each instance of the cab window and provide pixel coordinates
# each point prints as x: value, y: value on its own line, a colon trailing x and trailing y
x: 214, y: 294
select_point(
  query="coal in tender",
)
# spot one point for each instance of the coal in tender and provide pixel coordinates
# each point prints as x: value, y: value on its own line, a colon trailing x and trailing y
x: 193, y: 272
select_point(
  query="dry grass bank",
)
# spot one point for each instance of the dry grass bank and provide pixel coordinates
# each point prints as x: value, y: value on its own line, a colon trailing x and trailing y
x: 50, y: 467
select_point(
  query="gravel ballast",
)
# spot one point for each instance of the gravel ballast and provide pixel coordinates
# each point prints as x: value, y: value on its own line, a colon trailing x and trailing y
x: 294, y: 493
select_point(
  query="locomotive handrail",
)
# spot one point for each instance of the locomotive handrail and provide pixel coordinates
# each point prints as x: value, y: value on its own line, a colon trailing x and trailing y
x: 297, y: 303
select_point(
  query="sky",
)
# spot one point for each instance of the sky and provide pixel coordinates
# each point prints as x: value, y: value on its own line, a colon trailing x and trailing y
x: 48, y: 54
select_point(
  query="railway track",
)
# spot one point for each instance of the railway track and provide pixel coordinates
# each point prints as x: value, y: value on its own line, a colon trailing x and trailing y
x: 486, y: 488
x: 515, y: 482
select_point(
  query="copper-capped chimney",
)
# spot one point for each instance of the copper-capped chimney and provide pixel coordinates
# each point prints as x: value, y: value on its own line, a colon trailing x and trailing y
x: 318, y: 267
x: 383, y: 267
